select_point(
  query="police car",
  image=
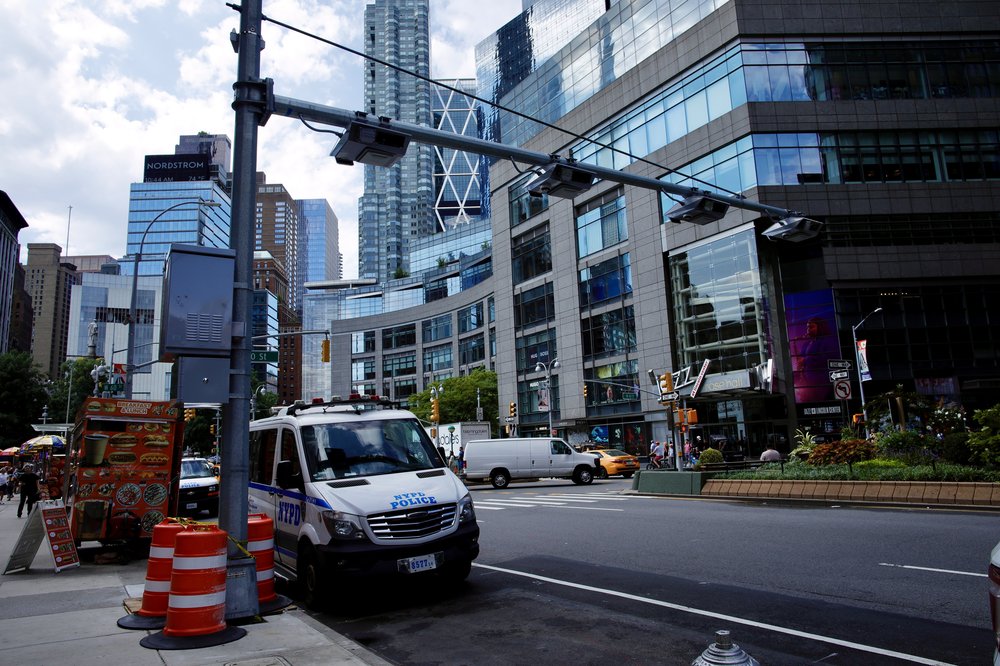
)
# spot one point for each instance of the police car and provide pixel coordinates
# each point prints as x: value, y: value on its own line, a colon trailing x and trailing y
x: 199, y: 487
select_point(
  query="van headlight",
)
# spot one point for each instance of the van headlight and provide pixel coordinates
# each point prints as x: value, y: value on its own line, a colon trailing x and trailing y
x: 466, y: 512
x: 342, y: 525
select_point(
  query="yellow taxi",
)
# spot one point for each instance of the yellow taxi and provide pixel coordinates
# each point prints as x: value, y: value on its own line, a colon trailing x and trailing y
x: 613, y: 461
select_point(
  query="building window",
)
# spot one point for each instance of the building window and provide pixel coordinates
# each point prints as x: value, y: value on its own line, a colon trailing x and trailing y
x: 363, y: 370
x: 523, y: 205
x: 531, y: 254
x: 396, y: 366
x: 605, y: 281
x: 534, y: 306
x: 399, y: 336
x: 601, y: 224
x: 532, y: 349
x: 438, y: 358
x: 471, y: 350
x: 470, y: 318
x: 609, y: 334
x: 363, y: 342
x: 616, y: 383
x: 436, y: 329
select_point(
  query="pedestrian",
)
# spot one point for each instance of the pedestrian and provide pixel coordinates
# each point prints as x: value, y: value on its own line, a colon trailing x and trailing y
x: 671, y: 455
x: 687, y: 452
x: 4, y: 480
x: 657, y: 454
x: 28, y: 482
x: 12, y: 483
x: 461, y: 458
x: 770, y: 454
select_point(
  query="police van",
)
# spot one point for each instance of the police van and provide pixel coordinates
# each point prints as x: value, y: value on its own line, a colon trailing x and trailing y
x: 355, y: 488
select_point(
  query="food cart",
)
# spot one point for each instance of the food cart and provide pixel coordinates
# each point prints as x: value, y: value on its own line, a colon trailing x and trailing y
x: 122, y: 468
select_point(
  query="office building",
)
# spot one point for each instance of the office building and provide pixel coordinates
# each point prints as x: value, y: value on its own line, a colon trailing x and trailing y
x: 49, y: 280
x: 458, y: 175
x: 880, y: 121
x: 11, y: 223
x: 319, y: 249
x: 397, y: 204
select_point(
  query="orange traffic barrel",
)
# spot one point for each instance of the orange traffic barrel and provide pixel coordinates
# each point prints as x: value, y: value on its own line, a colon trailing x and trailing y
x: 196, y: 607
x: 153, y: 613
x: 260, y: 544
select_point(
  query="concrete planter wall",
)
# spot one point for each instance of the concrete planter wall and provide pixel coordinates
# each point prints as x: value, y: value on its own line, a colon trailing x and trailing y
x: 891, y: 492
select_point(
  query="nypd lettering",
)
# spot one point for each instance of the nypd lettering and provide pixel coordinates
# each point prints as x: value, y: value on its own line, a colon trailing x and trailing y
x: 289, y: 513
x: 404, y: 500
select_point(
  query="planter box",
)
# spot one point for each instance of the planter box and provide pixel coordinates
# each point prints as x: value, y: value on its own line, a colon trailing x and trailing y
x: 937, y: 493
x: 667, y: 482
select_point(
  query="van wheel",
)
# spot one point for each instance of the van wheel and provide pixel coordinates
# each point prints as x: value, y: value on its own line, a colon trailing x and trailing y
x: 314, y: 584
x: 500, y: 478
x: 583, y: 476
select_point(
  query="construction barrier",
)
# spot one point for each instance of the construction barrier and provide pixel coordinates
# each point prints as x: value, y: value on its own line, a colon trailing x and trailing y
x: 153, y: 613
x: 260, y: 543
x: 196, y: 608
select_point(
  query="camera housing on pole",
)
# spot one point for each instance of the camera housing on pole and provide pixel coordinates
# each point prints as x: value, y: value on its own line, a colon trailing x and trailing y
x: 698, y: 209
x: 561, y: 180
x: 794, y: 229
x: 369, y: 143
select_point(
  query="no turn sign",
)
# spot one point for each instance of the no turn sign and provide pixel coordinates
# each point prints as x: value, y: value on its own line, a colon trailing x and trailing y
x: 842, y: 389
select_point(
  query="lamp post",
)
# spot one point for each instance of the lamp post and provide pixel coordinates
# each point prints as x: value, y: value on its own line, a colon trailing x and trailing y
x: 857, y: 362
x: 548, y: 368
x: 133, y: 304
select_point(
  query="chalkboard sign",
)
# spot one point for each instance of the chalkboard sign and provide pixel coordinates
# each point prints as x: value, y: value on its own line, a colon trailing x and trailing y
x: 47, y: 522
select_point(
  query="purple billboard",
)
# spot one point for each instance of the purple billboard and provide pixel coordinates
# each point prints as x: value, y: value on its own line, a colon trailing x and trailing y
x: 812, y: 341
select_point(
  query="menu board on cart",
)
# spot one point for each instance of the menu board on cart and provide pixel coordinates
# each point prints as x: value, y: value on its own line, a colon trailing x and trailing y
x: 46, y: 522
x: 124, y: 467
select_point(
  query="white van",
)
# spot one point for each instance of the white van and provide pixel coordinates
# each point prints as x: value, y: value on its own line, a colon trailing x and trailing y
x: 502, y: 460
x: 356, y: 487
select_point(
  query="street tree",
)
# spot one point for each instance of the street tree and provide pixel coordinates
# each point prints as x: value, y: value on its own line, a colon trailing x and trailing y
x: 74, y: 377
x: 458, y: 398
x: 22, y: 397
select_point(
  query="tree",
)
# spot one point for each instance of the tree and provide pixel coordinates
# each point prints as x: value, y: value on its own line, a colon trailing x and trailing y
x: 884, y: 410
x: 458, y: 399
x: 80, y: 385
x: 22, y: 397
x: 984, y: 444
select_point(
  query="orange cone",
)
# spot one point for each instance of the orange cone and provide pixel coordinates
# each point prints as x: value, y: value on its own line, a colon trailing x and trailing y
x: 196, y: 608
x: 260, y: 543
x: 153, y: 613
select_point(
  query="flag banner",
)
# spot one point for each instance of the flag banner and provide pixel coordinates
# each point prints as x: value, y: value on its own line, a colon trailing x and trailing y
x: 862, y: 352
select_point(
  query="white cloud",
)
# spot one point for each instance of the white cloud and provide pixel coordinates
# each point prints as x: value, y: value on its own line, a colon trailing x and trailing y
x: 97, y: 86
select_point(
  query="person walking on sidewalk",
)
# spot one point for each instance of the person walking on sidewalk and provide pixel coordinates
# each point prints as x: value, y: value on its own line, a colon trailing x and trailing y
x: 29, y: 489
x: 4, y: 481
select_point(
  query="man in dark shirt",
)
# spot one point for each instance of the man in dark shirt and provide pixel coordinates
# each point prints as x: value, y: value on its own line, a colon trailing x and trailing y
x: 28, y: 482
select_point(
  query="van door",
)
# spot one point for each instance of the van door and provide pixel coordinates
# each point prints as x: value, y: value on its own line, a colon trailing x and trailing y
x: 290, y: 495
x: 540, y: 457
x: 262, y: 496
x: 561, y: 456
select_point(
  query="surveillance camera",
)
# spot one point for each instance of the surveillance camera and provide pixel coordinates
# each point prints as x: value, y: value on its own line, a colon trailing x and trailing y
x: 793, y: 229
x: 561, y: 180
x: 370, y: 144
x: 698, y: 209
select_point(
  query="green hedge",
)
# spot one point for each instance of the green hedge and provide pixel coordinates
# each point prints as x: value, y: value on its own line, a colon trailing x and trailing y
x: 867, y: 471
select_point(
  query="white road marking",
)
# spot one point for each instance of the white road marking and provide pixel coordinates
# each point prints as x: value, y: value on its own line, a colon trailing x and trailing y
x: 948, y: 571
x: 503, y: 503
x: 586, y: 508
x: 720, y: 616
x: 552, y: 498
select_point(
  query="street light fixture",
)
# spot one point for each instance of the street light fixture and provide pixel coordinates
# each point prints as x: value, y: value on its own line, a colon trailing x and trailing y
x: 548, y: 368
x: 133, y: 304
x: 857, y: 363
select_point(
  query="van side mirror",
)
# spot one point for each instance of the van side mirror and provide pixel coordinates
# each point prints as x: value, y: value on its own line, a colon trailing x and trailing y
x: 286, y: 477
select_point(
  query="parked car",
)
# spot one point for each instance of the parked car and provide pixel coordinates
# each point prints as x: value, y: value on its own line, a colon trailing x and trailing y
x: 199, y: 487
x: 613, y: 461
x: 994, y: 576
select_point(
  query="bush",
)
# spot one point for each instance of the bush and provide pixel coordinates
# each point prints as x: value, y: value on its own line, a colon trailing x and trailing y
x: 907, y: 445
x: 984, y: 444
x: 845, y: 451
x: 709, y: 455
x: 879, y: 463
x: 866, y: 471
x: 955, y: 448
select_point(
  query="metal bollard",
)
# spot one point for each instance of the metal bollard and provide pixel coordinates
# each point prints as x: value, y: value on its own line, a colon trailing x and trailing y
x: 724, y: 651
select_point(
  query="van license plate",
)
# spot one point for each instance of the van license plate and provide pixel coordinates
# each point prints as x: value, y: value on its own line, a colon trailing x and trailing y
x: 417, y: 564
x: 191, y: 505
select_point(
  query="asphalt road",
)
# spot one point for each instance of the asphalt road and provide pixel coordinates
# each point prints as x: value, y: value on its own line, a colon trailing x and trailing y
x: 584, y: 575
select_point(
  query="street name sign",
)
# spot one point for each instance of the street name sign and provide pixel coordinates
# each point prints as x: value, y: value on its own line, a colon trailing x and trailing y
x: 261, y: 356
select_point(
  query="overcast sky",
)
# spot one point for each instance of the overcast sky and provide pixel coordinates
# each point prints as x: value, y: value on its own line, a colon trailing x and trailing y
x: 94, y: 86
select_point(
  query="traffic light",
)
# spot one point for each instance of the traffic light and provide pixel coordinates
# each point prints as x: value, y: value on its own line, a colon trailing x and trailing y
x: 435, y: 410
x: 324, y: 353
x: 434, y: 433
x: 211, y: 429
x: 189, y: 415
x: 585, y: 391
x: 666, y: 382
x: 857, y: 418
x: 513, y: 410
x: 692, y: 416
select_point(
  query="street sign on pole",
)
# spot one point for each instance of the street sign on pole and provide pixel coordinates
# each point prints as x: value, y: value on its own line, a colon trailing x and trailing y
x: 262, y: 356
x: 669, y: 397
x: 842, y: 389
x: 839, y: 374
x: 838, y: 364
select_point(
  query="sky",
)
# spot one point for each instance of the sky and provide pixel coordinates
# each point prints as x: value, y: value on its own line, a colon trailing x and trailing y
x: 94, y: 86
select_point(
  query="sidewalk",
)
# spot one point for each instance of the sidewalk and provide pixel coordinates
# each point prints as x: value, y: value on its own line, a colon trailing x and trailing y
x: 70, y: 618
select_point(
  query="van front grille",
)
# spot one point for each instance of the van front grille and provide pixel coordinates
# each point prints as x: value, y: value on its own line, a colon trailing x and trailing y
x: 412, y: 523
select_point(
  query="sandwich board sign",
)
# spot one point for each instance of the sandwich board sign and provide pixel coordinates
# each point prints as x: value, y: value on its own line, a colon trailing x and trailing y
x: 47, y: 522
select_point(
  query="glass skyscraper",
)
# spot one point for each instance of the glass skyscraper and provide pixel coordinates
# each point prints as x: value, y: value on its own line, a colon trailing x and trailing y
x: 319, y: 250
x: 397, y: 204
x: 458, y: 175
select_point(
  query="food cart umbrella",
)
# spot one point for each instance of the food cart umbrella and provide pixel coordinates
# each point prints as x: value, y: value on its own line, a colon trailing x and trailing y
x: 12, y: 451
x: 43, y: 443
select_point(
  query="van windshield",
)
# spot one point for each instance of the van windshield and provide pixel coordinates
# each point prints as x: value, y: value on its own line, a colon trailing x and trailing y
x: 339, y: 450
